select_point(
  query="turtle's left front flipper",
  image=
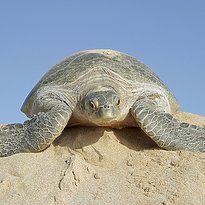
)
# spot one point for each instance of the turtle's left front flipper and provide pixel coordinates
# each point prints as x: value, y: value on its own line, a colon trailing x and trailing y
x: 166, y: 131
x: 35, y: 134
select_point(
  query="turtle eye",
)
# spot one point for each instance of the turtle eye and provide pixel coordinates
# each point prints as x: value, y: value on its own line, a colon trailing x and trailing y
x: 92, y: 105
x: 116, y: 100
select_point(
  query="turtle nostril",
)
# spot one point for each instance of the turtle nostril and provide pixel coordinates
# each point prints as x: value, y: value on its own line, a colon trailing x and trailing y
x: 106, y: 106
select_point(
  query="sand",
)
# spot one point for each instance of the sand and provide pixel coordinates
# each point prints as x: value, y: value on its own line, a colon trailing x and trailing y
x: 100, y: 166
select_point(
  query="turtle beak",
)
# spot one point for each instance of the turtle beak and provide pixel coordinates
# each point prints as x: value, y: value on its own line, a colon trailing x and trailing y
x: 106, y: 112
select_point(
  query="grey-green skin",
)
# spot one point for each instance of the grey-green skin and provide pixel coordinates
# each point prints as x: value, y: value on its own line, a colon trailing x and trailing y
x: 100, y: 88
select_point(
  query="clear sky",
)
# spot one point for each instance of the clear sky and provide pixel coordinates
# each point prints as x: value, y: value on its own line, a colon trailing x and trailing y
x: 168, y: 36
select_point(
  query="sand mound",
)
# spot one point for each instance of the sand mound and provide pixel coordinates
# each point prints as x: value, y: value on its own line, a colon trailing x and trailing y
x: 102, y: 166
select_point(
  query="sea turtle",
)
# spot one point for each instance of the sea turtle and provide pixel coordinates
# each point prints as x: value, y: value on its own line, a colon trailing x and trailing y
x: 100, y: 88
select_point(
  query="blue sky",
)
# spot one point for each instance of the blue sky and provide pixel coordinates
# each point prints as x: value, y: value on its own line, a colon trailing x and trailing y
x: 168, y: 36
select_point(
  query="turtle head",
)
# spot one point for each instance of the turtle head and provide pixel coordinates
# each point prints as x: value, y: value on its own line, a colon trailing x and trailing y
x: 101, y: 105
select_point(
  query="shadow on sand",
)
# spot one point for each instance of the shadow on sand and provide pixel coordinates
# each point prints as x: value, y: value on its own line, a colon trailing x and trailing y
x: 78, y: 137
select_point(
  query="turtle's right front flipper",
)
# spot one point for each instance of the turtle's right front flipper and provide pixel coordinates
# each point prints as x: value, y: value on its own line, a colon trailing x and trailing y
x: 35, y: 134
